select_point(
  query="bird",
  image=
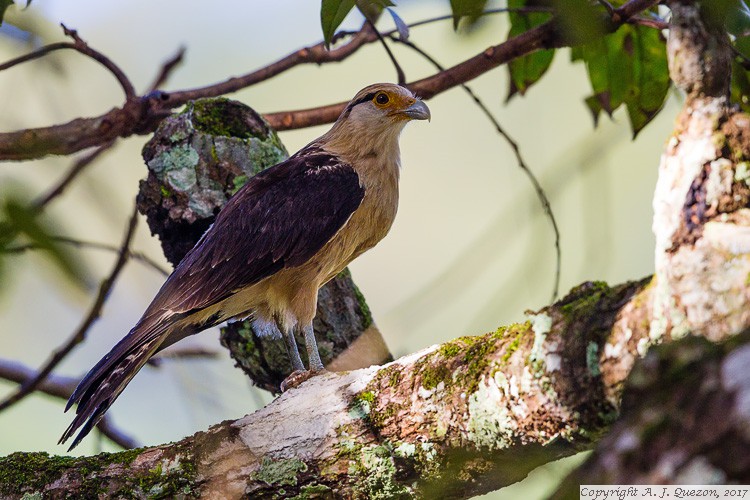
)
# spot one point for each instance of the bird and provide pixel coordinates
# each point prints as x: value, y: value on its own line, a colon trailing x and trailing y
x: 283, y: 235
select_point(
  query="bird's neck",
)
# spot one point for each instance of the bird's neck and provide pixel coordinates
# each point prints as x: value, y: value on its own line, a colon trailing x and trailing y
x: 356, y: 142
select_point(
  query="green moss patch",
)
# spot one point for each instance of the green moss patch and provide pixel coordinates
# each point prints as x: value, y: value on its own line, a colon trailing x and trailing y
x: 282, y: 472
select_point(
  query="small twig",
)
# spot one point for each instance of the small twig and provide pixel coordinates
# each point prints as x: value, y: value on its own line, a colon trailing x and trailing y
x: 74, y: 171
x: 519, y: 159
x: 143, y: 114
x: 61, y: 387
x: 400, y: 75
x: 82, y: 47
x: 167, y: 68
x: 40, y: 52
x: 612, y: 11
x: 655, y: 23
x: 80, y: 334
x: 138, y: 256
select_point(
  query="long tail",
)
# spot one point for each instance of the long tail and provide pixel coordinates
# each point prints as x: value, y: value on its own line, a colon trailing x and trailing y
x: 104, y: 383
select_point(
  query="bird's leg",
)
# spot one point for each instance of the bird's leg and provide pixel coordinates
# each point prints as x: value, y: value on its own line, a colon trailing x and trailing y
x: 313, y: 355
x: 316, y: 365
x: 291, y: 349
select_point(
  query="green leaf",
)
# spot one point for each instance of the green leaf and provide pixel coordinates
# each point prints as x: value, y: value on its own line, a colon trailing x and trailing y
x: 332, y: 14
x: 627, y: 67
x: 527, y: 70
x: 470, y: 9
x: 580, y: 22
x: 733, y: 15
x: 19, y: 220
x: 650, y: 72
x: 4, y: 4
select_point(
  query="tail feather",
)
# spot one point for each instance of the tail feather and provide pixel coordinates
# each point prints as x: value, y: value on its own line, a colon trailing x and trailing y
x: 104, y: 383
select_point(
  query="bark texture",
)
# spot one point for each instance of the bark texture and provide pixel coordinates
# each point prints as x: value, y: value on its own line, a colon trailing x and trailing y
x: 453, y: 420
x: 197, y: 160
x: 702, y: 198
x: 685, y: 417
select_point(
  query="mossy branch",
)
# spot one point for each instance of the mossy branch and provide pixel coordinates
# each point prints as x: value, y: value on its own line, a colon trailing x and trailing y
x: 464, y: 417
x: 684, y: 420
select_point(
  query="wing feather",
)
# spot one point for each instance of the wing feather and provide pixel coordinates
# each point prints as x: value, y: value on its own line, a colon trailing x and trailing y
x: 280, y: 218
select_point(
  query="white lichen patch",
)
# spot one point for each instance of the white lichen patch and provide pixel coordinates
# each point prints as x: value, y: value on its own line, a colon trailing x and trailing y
x: 424, y: 393
x: 666, y: 313
x: 490, y: 424
x: 377, y: 474
x: 504, y: 384
x: 642, y: 347
x: 612, y: 350
x: 541, y: 324
x: 405, y: 450
x: 429, y: 450
x: 719, y: 181
x: 742, y: 172
x: 729, y: 237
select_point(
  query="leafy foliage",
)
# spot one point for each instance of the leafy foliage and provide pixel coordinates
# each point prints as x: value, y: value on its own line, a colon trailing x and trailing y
x: 332, y: 14
x: 527, y: 70
x: 20, y: 225
x: 580, y: 22
x: 4, y: 4
x: 733, y: 15
x: 470, y: 9
x: 627, y: 67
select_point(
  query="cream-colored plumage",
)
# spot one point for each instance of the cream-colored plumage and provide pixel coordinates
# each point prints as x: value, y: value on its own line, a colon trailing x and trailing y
x: 288, y: 231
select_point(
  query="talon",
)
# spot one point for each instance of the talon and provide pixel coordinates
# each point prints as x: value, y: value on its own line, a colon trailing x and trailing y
x: 297, y: 377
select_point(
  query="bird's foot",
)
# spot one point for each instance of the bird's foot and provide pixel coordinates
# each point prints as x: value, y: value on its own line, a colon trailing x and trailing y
x: 297, y: 377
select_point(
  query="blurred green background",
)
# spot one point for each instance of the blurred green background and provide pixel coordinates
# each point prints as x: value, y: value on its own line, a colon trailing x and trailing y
x: 470, y: 249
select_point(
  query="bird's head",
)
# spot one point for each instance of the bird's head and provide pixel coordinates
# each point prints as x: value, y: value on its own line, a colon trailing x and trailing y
x: 377, y: 114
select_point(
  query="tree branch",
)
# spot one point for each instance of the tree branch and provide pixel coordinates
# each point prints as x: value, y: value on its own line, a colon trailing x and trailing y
x: 62, y: 387
x: 80, y: 334
x: 684, y: 420
x: 142, y: 114
x: 461, y: 418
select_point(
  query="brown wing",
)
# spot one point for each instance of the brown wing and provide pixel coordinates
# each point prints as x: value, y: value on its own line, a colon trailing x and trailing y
x: 279, y: 219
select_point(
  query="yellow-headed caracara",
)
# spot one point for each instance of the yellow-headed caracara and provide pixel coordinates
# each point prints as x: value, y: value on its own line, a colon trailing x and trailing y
x: 288, y: 231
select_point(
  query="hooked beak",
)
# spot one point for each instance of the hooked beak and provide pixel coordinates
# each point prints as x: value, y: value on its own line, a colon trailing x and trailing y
x: 418, y: 111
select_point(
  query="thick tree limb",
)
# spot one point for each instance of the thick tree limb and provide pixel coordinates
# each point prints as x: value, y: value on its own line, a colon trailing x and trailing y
x: 142, y: 114
x: 461, y: 418
x: 684, y: 420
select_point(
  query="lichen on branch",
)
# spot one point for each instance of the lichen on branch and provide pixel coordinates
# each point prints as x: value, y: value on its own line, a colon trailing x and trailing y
x: 461, y: 418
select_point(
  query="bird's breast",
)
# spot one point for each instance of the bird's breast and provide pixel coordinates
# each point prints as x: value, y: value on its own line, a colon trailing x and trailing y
x: 368, y: 224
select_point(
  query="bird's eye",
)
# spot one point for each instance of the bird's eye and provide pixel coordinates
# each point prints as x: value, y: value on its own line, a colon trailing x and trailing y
x: 382, y: 98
